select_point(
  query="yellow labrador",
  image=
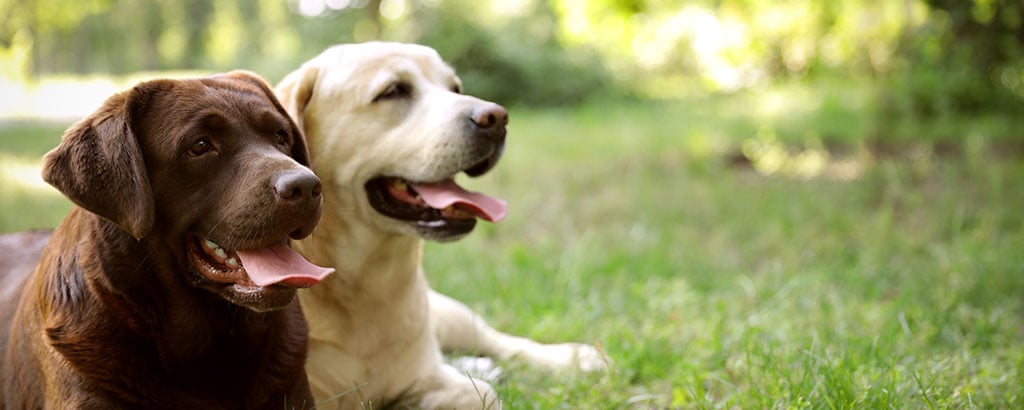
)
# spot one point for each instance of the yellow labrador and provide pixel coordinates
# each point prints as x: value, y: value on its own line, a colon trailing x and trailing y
x: 389, y: 129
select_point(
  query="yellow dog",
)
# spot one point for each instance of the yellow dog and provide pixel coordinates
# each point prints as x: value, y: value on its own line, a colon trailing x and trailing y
x: 388, y: 129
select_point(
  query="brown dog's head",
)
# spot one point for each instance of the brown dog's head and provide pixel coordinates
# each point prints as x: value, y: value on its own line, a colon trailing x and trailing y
x: 391, y: 129
x: 211, y: 169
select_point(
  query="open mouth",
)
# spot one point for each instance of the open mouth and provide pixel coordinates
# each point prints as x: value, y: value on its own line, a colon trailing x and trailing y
x: 438, y: 209
x: 428, y: 201
x: 272, y: 265
x: 436, y: 204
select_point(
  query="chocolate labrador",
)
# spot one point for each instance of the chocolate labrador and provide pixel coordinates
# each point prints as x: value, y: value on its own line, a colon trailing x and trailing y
x: 170, y: 283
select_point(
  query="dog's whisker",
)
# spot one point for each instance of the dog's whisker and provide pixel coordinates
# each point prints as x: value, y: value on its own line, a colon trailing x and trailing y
x: 213, y: 227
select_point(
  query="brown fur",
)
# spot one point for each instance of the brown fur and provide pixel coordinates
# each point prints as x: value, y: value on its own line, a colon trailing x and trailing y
x: 115, y: 315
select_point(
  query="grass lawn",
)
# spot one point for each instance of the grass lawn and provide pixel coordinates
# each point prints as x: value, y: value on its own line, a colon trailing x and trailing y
x: 26, y: 201
x: 710, y: 284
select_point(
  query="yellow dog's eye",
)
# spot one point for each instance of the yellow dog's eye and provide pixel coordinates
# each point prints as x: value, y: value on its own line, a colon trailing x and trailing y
x: 200, y: 147
x: 394, y: 91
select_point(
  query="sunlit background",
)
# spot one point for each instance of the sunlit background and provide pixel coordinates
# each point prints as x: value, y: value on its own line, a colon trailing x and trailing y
x: 643, y: 48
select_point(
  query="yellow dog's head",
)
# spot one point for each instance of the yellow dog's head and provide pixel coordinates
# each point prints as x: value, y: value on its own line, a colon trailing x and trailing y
x: 389, y: 129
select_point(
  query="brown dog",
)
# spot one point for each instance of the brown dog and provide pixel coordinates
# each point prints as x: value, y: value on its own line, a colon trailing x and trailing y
x: 170, y: 284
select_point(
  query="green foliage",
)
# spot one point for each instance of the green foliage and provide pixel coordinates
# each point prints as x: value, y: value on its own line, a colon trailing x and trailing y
x: 933, y: 59
x: 966, y: 60
x: 517, y: 61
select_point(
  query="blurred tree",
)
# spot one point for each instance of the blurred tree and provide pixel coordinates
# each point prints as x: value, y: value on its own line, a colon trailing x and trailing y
x: 196, y: 23
x: 994, y: 23
x: 515, y: 59
x: 939, y: 57
x: 980, y: 58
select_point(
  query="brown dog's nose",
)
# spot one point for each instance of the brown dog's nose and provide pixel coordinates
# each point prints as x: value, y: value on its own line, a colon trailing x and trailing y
x: 297, y: 185
x: 489, y: 115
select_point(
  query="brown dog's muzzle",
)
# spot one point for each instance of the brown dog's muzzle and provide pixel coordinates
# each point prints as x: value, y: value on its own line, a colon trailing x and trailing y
x: 300, y: 190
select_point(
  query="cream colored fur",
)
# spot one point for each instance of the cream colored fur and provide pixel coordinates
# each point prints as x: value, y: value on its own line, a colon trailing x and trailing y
x: 376, y: 328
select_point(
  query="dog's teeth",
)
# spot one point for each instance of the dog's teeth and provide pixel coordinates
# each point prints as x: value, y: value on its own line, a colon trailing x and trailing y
x: 232, y: 263
x: 221, y: 254
x: 210, y: 244
x: 400, y: 185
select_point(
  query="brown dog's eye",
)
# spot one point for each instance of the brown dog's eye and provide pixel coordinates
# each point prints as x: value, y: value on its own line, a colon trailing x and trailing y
x: 281, y: 137
x: 200, y: 147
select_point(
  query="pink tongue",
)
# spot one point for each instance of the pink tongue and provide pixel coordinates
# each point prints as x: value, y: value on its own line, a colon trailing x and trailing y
x: 447, y: 193
x: 279, y: 264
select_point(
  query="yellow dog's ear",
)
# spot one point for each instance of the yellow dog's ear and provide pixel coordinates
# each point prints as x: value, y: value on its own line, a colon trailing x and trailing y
x: 295, y: 91
x: 99, y: 164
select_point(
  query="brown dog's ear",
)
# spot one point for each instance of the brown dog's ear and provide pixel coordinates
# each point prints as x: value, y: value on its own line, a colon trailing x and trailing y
x: 300, y: 152
x: 295, y: 91
x: 99, y: 165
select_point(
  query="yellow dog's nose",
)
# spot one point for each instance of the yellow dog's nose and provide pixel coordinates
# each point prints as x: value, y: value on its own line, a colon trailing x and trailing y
x: 489, y: 115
